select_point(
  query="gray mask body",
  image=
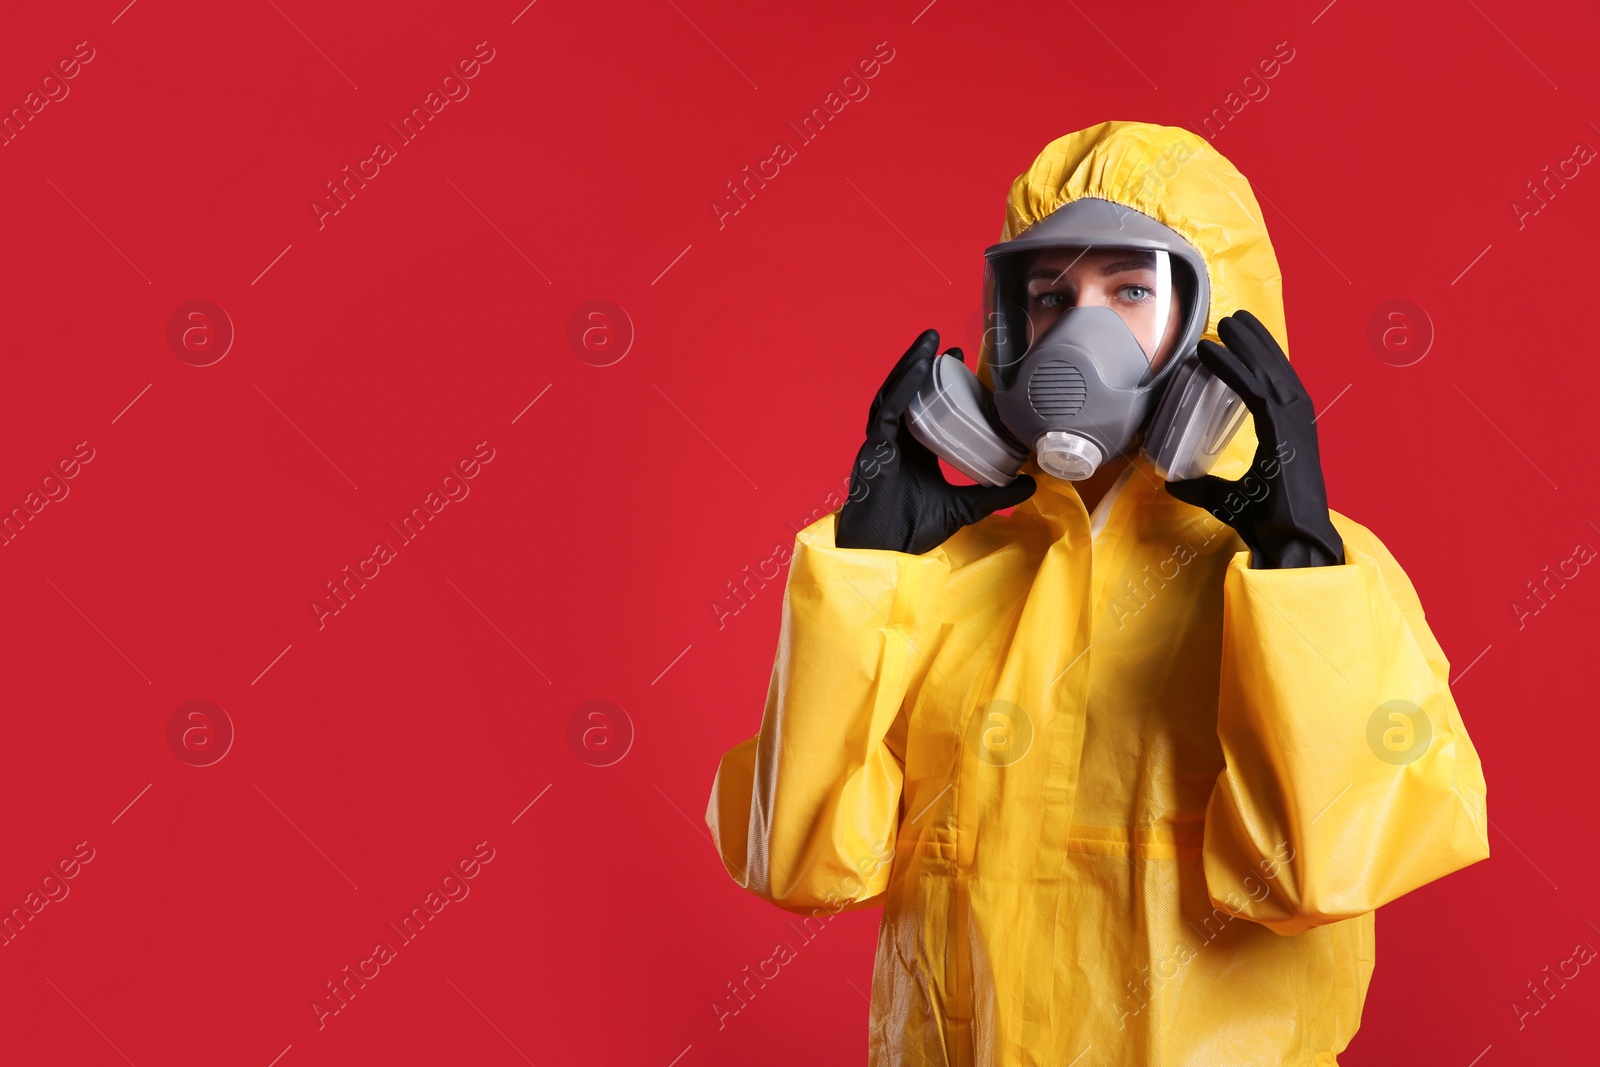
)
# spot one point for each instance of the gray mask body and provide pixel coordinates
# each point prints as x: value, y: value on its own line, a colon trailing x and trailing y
x: 1077, y: 395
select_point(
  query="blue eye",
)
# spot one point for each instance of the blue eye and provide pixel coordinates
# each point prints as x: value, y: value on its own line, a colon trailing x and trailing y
x: 1050, y: 300
x: 1136, y: 293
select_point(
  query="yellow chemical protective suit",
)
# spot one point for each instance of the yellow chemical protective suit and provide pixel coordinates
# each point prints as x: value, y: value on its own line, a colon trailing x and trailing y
x: 1123, y: 798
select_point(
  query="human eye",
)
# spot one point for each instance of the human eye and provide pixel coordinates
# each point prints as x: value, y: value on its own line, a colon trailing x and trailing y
x: 1136, y: 294
x: 1051, y: 299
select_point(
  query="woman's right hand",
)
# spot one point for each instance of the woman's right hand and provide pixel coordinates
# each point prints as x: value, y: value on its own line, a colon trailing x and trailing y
x: 899, y: 499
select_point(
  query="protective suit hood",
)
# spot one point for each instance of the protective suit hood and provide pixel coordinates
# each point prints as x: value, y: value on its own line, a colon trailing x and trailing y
x: 1178, y: 179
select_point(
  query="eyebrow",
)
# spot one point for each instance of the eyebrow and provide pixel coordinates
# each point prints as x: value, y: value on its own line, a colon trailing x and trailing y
x: 1119, y: 266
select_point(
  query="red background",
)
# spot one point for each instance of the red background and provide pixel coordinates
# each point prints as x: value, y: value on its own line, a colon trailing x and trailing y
x: 376, y: 351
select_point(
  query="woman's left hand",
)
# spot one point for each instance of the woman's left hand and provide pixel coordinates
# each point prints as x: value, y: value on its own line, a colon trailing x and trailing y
x: 1280, y: 507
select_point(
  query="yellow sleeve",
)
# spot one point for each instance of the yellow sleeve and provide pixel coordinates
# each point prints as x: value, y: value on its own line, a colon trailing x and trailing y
x: 1350, y: 779
x: 805, y: 813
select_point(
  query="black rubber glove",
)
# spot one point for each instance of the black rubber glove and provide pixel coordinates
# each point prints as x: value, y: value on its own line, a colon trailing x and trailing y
x: 1280, y: 507
x: 899, y: 498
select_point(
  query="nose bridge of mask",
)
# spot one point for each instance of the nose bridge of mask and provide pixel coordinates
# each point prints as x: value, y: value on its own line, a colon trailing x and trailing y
x: 1097, y: 342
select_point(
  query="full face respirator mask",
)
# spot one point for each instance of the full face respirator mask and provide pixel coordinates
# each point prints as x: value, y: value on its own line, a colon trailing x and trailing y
x: 1086, y: 389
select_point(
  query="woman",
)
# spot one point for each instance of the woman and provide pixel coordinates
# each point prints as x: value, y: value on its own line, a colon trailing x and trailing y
x: 1129, y: 784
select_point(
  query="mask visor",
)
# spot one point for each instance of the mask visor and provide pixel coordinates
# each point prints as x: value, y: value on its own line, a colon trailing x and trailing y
x: 1136, y: 283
